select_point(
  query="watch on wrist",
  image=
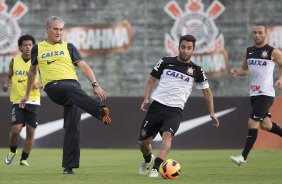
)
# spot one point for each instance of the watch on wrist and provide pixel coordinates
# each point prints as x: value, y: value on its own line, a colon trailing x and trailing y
x: 95, y: 84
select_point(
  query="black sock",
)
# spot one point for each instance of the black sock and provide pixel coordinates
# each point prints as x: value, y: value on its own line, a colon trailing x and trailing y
x: 157, y: 163
x: 24, y: 156
x: 13, y: 149
x: 251, y: 139
x: 276, y: 129
x: 148, y: 158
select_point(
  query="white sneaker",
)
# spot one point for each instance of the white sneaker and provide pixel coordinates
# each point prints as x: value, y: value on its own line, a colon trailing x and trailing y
x: 154, y: 173
x: 144, y: 168
x: 9, y: 158
x: 239, y: 160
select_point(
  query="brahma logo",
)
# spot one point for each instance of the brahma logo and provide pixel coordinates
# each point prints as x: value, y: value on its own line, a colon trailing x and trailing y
x: 209, y: 50
x: 100, y: 39
x: 9, y: 32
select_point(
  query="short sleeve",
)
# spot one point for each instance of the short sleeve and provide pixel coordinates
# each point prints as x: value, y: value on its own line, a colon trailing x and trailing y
x: 201, y: 81
x: 158, y: 69
x: 34, y: 55
x: 74, y: 53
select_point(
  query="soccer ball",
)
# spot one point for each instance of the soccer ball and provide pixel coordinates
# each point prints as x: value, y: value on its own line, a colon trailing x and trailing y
x: 170, y: 169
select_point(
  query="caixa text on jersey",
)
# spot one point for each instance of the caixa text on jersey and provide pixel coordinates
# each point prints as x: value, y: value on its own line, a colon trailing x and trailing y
x: 178, y: 75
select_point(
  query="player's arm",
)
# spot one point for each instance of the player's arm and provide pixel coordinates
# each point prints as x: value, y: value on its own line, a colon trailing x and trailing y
x: 155, y: 75
x: 276, y: 56
x: 8, y: 80
x: 148, y: 90
x: 30, y: 82
x: 78, y: 60
x: 243, y: 71
x: 38, y: 85
x: 86, y: 70
x: 209, y: 101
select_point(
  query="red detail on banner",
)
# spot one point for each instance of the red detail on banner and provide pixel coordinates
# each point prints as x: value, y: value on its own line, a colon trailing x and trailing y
x: 173, y: 10
x: 194, y: 5
x: 215, y: 9
x: 18, y: 10
x: 3, y: 6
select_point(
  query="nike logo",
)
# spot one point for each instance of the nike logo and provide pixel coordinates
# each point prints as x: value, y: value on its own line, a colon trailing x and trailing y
x: 50, y: 127
x: 49, y: 62
x: 171, y: 65
x: 19, y: 81
x: 193, y: 123
x: 54, y: 126
x: 250, y: 53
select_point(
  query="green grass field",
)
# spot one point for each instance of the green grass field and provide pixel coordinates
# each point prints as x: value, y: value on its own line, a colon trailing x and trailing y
x: 121, y: 167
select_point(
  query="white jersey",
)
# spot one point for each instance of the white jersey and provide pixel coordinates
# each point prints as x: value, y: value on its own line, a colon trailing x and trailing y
x: 261, y: 69
x: 176, y: 81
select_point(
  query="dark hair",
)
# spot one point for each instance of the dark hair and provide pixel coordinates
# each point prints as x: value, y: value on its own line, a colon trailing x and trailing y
x: 24, y: 38
x: 188, y: 38
x: 263, y: 25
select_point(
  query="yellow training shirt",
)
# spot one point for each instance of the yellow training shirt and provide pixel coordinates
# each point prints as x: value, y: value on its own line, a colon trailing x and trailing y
x: 19, y: 82
x: 55, y: 62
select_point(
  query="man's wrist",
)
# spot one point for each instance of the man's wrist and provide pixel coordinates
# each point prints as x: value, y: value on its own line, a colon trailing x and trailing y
x: 95, y: 84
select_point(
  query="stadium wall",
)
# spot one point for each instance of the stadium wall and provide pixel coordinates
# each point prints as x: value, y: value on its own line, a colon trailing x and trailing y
x: 196, y: 130
x: 123, y: 70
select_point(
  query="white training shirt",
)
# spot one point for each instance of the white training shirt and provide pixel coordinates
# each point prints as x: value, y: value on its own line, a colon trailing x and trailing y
x: 261, y: 69
x: 176, y: 81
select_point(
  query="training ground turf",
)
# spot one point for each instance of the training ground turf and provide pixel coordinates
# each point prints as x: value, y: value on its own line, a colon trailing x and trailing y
x: 120, y: 166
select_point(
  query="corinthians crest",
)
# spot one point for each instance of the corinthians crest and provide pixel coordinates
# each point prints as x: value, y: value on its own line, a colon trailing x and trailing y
x: 199, y: 23
x: 9, y: 29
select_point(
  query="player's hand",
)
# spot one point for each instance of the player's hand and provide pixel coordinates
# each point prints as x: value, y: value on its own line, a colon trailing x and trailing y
x: 234, y: 72
x: 100, y: 93
x: 215, y: 120
x: 144, y: 104
x: 36, y: 86
x: 278, y: 83
x: 6, y: 87
x: 22, y: 102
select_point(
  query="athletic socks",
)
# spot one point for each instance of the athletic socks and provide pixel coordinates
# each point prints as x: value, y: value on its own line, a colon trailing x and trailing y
x: 252, y: 136
x: 24, y: 156
x: 251, y: 139
x: 276, y: 129
x: 157, y: 163
x: 13, y: 149
x: 148, y: 158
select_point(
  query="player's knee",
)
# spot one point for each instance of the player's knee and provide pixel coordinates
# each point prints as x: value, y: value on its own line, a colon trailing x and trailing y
x: 30, y: 135
x: 15, y: 131
x: 167, y: 137
x: 264, y: 126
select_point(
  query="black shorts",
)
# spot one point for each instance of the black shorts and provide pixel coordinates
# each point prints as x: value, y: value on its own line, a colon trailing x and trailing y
x: 28, y: 115
x: 260, y: 107
x: 160, y: 118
